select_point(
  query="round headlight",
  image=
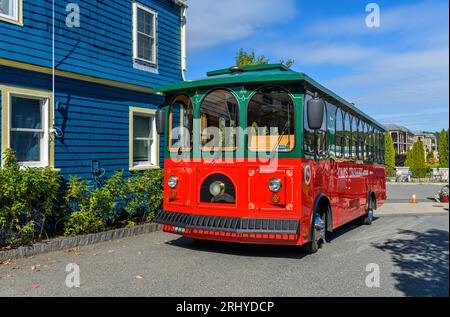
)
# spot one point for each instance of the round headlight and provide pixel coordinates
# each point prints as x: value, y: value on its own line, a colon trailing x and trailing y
x: 275, y: 185
x: 172, y: 181
x: 217, y: 188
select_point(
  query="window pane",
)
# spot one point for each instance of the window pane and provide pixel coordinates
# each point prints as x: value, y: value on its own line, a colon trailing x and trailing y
x: 145, y: 22
x: 141, y: 151
x: 347, y: 136
x: 5, y: 7
x: 145, y: 47
x: 26, y: 113
x: 354, y: 138
x: 219, y: 110
x: 142, y: 127
x: 271, y: 121
x: 339, y: 134
x: 182, y: 125
x: 26, y: 145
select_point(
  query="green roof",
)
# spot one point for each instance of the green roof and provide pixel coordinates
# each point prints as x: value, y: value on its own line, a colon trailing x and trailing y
x: 270, y: 73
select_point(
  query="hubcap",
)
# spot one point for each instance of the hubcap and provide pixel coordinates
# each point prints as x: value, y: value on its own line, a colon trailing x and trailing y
x: 370, y: 214
x: 319, y: 227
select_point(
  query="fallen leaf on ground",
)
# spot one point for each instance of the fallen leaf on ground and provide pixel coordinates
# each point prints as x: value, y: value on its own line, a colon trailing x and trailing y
x: 6, y: 262
x: 73, y: 250
x: 34, y: 286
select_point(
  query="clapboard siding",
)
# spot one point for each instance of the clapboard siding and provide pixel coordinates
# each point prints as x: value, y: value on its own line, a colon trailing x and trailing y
x: 101, y: 47
x: 94, y: 119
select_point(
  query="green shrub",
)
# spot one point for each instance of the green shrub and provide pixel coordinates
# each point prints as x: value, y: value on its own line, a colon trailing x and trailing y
x: 83, y: 222
x: 121, y: 198
x: 28, y: 199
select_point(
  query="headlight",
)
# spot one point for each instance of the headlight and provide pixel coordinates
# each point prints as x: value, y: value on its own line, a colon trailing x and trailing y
x: 275, y: 185
x: 217, y: 188
x: 172, y: 181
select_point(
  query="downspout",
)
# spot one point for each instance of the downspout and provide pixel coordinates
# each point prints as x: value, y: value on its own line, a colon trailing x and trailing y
x: 183, y: 8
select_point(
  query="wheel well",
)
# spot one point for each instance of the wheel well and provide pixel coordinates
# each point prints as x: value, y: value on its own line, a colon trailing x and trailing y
x: 323, y: 205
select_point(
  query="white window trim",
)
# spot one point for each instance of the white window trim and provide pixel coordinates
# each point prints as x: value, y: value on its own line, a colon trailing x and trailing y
x: 152, y: 62
x: 45, y: 140
x: 154, y: 155
x: 15, y: 16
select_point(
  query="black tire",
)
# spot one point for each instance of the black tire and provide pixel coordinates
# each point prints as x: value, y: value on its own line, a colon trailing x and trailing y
x: 367, y: 219
x: 318, y: 237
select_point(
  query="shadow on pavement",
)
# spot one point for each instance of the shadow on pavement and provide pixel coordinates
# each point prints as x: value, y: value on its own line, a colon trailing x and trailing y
x: 256, y: 250
x: 422, y: 259
x: 250, y: 250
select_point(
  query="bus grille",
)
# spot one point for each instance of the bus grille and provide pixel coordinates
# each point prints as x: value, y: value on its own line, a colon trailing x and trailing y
x: 226, y: 224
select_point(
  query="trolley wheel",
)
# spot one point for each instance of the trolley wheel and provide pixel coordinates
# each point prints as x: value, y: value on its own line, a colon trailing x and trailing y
x: 318, y: 234
x: 367, y: 219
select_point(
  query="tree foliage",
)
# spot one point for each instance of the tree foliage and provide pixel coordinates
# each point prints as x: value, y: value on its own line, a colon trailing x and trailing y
x: 389, y: 154
x: 415, y: 160
x: 443, y: 149
x: 244, y: 58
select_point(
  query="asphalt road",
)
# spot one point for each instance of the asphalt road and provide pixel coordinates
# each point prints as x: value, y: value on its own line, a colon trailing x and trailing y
x: 412, y: 253
x: 402, y: 193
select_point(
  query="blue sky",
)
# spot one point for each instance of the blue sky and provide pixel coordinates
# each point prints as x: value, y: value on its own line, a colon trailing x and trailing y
x: 398, y: 73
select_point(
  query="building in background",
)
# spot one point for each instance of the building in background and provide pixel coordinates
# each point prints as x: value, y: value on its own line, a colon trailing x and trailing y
x: 403, y: 138
x: 429, y: 141
x: 94, y: 113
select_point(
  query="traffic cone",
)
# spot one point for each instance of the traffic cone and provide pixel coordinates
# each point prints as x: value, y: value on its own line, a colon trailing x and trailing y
x: 414, y: 199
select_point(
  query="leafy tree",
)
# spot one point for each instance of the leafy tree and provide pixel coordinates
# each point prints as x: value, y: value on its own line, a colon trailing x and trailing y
x: 389, y: 154
x: 443, y: 148
x: 244, y: 58
x: 416, y: 160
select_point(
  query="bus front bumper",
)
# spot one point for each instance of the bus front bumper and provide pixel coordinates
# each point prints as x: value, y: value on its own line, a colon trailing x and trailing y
x: 245, y: 230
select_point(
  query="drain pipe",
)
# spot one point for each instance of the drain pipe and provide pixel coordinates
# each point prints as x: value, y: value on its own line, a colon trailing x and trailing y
x: 183, y: 9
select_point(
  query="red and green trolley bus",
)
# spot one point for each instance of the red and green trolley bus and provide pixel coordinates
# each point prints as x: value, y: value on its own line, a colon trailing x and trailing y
x: 265, y: 155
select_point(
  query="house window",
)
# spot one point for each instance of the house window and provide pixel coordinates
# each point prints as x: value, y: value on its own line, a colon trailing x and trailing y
x: 144, y: 34
x: 144, y: 148
x: 10, y: 10
x: 28, y: 135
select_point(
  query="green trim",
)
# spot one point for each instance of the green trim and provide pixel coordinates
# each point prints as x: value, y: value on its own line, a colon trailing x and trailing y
x: 248, y: 69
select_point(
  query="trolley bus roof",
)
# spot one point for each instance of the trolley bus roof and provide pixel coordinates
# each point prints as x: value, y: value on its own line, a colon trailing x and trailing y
x: 271, y: 73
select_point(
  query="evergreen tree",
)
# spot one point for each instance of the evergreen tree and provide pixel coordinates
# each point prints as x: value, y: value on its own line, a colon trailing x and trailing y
x: 389, y: 154
x: 417, y: 160
x: 443, y: 149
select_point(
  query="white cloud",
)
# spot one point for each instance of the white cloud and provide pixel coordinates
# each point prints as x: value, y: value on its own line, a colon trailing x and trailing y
x: 213, y: 22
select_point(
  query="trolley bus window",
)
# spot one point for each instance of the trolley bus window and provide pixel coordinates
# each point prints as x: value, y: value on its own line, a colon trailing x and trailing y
x: 181, y: 124
x: 219, y: 119
x: 354, y: 138
x: 340, y: 131
x: 270, y: 121
x: 308, y: 133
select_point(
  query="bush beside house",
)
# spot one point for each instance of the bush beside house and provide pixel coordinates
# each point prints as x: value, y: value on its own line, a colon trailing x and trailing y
x: 36, y: 202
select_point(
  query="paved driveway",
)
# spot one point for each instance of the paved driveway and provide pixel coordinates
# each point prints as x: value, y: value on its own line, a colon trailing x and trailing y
x: 412, y: 253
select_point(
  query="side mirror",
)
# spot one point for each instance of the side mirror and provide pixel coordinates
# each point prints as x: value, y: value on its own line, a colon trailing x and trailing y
x: 316, y: 109
x: 160, y: 121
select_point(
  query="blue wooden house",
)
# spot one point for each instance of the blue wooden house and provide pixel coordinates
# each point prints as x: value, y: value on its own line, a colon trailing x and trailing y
x: 76, y: 81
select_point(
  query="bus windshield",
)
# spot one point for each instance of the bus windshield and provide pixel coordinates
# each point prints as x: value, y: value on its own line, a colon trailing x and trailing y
x: 219, y: 119
x: 271, y: 121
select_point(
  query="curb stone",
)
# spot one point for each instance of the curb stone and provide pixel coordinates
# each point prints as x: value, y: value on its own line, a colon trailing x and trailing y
x: 61, y: 244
